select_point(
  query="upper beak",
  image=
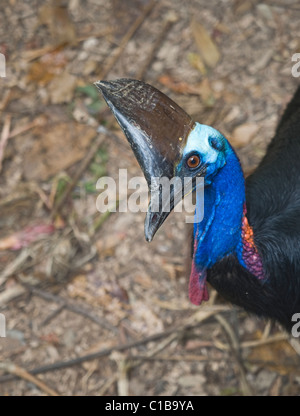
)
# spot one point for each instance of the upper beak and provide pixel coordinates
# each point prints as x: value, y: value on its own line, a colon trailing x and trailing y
x: 157, y: 130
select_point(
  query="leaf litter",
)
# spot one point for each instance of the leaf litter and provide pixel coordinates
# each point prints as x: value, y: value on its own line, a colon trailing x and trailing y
x: 85, y: 286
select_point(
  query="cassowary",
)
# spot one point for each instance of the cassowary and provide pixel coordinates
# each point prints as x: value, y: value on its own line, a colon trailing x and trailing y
x: 247, y: 245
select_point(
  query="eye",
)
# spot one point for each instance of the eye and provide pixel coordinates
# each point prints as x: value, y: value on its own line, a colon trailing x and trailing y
x: 193, y: 161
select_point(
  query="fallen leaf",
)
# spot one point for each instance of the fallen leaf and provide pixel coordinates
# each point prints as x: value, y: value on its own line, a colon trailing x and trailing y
x: 207, y: 48
x: 242, y: 134
x: 47, y: 67
x: 280, y: 357
x: 242, y: 6
x: 61, y: 88
x: 60, y: 146
x: 197, y: 63
x: 120, y: 293
x: 233, y: 114
x: 265, y: 11
x: 56, y: 17
x: 223, y: 28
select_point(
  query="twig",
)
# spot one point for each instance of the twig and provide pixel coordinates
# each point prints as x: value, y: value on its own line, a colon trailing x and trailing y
x: 191, y: 322
x: 181, y: 358
x: 281, y: 5
x: 4, y: 137
x: 39, y: 121
x: 119, y: 50
x: 235, y: 347
x: 84, y: 164
x: 20, y: 372
x: 254, y: 343
x: 267, y: 330
x: 125, y: 364
x: 170, y: 20
x: 259, y: 342
x: 15, y: 265
x: 73, y: 308
x: 52, y: 315
x: 7, y: 96
x: 108, y: 384
x: 33, y: 54
x: 122, y: 374
x: 11, y: 293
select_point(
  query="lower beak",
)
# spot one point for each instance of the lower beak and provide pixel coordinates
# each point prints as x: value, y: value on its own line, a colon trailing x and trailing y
x: 164, y: 197
x: 158, y: 211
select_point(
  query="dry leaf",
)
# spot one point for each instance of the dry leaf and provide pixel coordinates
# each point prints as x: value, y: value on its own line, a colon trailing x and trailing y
x: 223, y: 28
x: 207, y: 48
x: 56, y: 17
x: 60, y: 146
x: 47, y: 67
x: 197, y: 63
x: 242, y: 6
x: 242, y: 134
x: 62, y: 87
x: 280, y: 356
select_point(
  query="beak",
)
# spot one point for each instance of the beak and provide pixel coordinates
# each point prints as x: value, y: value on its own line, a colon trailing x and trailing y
x: 157, y: 130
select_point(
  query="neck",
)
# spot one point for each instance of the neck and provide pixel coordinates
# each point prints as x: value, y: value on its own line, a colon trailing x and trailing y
x: 220, y: 231
x: 224, y: 229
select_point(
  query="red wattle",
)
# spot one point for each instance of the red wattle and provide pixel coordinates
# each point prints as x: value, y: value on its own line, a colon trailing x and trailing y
x: 197, y: 286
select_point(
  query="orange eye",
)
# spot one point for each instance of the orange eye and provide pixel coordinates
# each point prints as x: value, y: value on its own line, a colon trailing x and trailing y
x: 193, y: 161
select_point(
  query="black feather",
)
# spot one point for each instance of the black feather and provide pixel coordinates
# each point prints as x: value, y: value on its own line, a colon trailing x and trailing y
x: 273, y: 205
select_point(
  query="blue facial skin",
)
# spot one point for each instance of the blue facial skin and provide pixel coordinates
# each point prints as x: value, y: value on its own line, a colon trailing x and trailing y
x: 219, y: 233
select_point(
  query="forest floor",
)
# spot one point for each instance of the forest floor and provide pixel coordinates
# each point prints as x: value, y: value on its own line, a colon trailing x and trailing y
x: 90, y: 306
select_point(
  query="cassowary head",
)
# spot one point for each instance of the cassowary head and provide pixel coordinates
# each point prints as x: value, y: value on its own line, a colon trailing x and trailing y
x: 168, y: 143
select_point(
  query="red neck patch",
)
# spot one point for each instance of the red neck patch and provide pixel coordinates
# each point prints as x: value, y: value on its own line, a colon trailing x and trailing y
x: 197, y: 286
x: 250, y: 254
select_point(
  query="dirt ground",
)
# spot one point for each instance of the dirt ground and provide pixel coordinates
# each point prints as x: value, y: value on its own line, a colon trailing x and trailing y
x: 89, y: 305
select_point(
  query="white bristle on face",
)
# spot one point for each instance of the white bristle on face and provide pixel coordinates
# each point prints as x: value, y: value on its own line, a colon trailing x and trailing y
x: 198, y: 141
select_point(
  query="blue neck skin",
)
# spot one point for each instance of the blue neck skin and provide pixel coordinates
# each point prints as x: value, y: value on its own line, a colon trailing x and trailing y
x: 219, y: 233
